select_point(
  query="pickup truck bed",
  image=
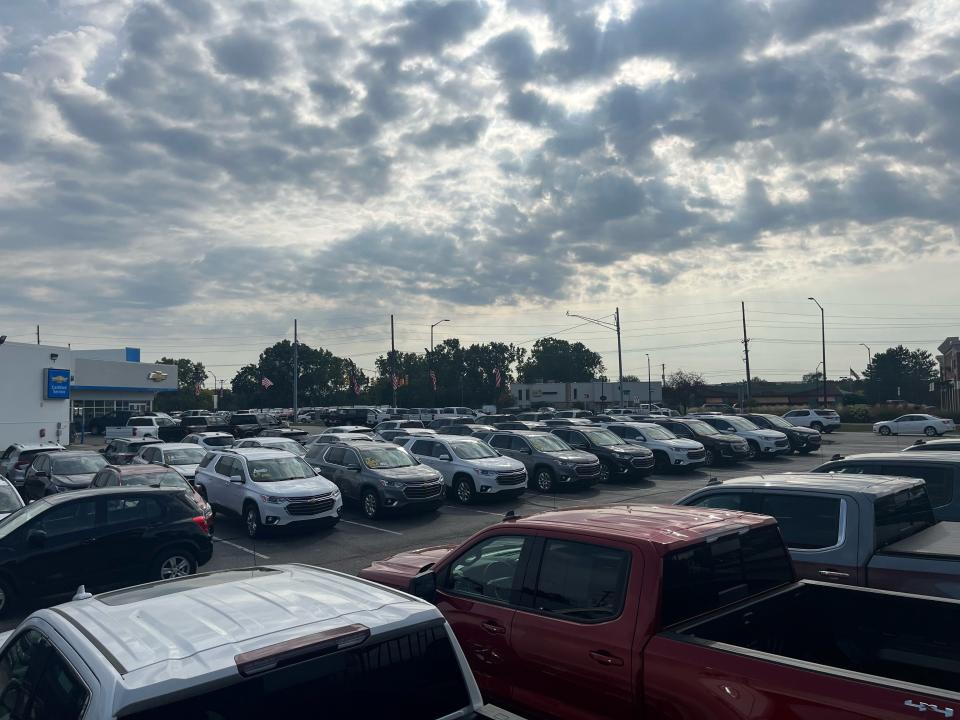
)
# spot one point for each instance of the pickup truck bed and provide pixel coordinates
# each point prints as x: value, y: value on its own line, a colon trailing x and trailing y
x: 927, y: 563
x: 792, y: 639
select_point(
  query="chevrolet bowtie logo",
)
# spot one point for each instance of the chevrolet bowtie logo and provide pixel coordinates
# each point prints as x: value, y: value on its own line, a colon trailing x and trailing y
x: 157, y: 376
x: 59, y: 378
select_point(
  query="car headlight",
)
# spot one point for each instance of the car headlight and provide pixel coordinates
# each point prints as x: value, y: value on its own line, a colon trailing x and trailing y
x: 336, y: 492
x: 392, y: 484
x: 270, y: 499
x: 488, y: 472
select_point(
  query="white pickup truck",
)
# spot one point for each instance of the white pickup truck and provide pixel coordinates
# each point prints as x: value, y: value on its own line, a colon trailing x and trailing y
x: 258, y: 642
x: 145, y: 426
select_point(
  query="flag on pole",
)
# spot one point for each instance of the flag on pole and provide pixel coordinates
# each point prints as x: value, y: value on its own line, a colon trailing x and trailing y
x: 355, y: 384
x: 497, y: 379
x: 855, y: 374
x: 433, y: 380
x: 196, y: 388
x: 395, y: 381
x: 267, y: 383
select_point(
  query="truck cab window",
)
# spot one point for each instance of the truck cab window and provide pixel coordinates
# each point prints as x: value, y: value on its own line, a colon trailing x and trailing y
x: 38, y: 683
x: 488, y: 569
x: 582, y: 582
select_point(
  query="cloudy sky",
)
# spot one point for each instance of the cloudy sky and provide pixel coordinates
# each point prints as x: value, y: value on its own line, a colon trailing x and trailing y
x: 190, y: 175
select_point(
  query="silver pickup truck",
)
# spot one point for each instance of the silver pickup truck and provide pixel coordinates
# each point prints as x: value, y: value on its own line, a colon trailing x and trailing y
x: 870, y: 530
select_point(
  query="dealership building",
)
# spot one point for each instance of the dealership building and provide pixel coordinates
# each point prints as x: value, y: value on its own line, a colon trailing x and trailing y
x: 43, y: 388
x: 589, y: 395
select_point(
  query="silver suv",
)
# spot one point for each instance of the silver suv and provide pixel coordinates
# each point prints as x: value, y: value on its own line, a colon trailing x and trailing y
x: 469, y: 467
x: 267, y: 488
x: 380, y: 475
x: 550, y: 462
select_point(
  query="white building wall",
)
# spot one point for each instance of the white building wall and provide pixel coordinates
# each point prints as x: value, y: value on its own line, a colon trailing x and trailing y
x: 24, y: 409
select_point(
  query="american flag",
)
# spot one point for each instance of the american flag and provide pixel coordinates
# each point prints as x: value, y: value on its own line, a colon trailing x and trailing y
x: 497, y: 378
x: 355, y: 384
x: 267, y: 383
x: 433, y: 379
x: 395, y: 381
x: 196, y: 388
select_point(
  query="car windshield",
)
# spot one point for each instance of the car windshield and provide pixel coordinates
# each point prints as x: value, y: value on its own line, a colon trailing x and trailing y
x: 221, y: 441
x: 281, y: 468
x: 778, y: 421
x: 387, y: 458
x: 473, y: 450
x: 184, y: 456
x: 548, y: 443
x: 80, y: 465
x: 702, y: 428
x: 604, y: 438
x: 157, y: 479
x: 290, y: 446
x: 658, y: 433
x: 9, y: 499
x: 741, y: 424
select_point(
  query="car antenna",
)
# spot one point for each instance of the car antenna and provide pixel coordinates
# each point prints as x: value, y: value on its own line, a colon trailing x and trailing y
x: 836, y: 457
x: 714, y: 481
x: 511, y: 515
x: 81, y: 594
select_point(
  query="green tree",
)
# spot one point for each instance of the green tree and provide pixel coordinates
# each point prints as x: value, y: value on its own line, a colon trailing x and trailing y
x: 189, y: 373
x: 556, y: 360
x: 685, y: 388
x: 900, y: 373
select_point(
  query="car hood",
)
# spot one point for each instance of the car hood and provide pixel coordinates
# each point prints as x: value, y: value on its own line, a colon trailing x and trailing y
x: 682, y: 444
x: 188, y: 471
x: 415, y: 473
x: 767, y: 434
x: 574, y: 456
x: 74, y: 481
x: 632, y: 450
x: 802, y: 431
x: 302, y: 486
x: 397, y: 571
x: 724, y: 437
x: 498, y: 463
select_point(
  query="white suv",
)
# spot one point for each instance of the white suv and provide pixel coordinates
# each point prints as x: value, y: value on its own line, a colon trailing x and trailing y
x: 267, y: 488
x: 762, y: 443
x: 824, y: 421
x: 251, y: 643
x: 469, y: 466
x: 668, y: 450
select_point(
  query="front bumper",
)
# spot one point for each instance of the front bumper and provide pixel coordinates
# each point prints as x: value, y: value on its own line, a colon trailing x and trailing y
x: 586, y: 474
x: 306, y: 509
x: 634, y: 467
x: 505, y: 482
x: 733, y: 452
x: 419, y: 495
x: 803, y: 443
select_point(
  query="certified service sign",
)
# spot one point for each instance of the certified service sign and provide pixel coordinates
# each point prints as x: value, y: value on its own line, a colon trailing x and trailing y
x: 58, y: 384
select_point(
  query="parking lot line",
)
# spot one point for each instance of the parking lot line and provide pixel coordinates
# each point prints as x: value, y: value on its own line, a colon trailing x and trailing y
x: 482, y: 512
x: 241, y: 547
x: 371, y: 527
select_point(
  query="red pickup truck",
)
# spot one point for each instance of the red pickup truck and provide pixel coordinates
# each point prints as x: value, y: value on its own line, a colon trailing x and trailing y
x: 678, y: 614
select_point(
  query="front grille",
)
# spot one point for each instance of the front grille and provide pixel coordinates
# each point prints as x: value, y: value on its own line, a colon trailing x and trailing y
x: 696, y: 454
x: 421, y: 492
x: 642, y: 462
x: 782, y: 443
x: 310, y: 506
x: 512, y: 478
x: 588, y: 469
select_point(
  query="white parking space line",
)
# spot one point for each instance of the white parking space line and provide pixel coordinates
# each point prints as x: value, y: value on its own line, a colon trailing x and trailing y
x: 241, y: 547
x: 371, y: 527
x: 456, y: 511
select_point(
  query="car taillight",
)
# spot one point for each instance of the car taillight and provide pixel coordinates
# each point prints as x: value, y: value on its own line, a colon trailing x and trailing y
x: 201, y: 522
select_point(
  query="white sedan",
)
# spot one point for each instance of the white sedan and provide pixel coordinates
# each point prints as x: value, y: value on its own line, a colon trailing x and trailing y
x: 917, y: 424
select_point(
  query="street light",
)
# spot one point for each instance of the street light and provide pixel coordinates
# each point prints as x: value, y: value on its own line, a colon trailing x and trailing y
x: 869, y: 354
x: 431, y: 331
x: 615, y: 325
x: 823, y: 342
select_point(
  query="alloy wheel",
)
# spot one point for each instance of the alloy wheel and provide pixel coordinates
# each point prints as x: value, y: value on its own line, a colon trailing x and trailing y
x: 464, y: 492
x: 544, y: 481
x: 174, y: 567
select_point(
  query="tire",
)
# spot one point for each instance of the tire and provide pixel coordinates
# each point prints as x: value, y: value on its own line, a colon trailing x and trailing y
x: 754, y: 452
x: 174, y: 563
x: 930, y: 431
x: 661, y: 463
x: 370, y: 503
x: 709, y: 458
x: 543, y: 479
x: 251, y: 521
x: 463, y: 490
x: 606, y: 472
x: 884, y: 430
x: 818, y: 426
x: 8, y: 598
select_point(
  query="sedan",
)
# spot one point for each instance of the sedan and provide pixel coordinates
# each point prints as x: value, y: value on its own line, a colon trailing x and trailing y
x: 211, y: 441
x: 50, y: 473
x: 917, y: 424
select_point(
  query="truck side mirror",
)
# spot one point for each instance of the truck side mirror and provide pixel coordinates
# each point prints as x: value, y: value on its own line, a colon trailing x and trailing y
x: 424, y: 585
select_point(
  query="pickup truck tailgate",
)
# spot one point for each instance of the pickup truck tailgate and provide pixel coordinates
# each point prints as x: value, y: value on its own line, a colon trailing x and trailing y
x: 927, y: 563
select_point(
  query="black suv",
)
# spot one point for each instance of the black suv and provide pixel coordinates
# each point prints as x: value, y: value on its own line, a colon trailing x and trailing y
x: 719, y: 446
x: 120, y: 451
x: 803, y: 440
x: 244, y: 425
x: 618, y: 458
x: 101, y: 539
x: 348, y: 416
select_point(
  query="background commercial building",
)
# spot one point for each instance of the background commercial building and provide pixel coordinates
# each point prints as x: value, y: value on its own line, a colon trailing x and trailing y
x: 588, y: 395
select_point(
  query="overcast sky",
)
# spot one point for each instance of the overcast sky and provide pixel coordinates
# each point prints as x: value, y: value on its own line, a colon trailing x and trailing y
x: 189, y: 175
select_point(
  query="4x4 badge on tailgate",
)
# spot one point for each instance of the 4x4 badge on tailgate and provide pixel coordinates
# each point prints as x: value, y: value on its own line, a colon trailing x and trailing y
x: 924, y: 707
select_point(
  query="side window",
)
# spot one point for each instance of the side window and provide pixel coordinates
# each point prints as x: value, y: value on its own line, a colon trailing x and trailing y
x: 577, y: 438
x: 67, y: 518
x: 562, y: 434
x: 441, y: 449
x: 806, y: 522
x: 519, y: 444
x: 722, y: 425
x: 110, y: 479
x: 350, y: 457
x: 225, y: 466
x: 721, y: 501
x: 334, y: 456
x: 132, y: 510
x: 850, y: 469
x: 680, y: 430
x: 37, y: 682
x: 500, y: 441
x: 635, y: 434
x: 939, y: 480
x: 422, y: 447
x: 207, y: 459
x: 488, y: 569
x: 582, y: 582
x: 619, y: 431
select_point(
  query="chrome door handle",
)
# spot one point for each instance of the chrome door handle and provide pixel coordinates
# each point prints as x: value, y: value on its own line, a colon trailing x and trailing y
x: 832, y: 574
x: 605, y: 658
x: 494, y: 628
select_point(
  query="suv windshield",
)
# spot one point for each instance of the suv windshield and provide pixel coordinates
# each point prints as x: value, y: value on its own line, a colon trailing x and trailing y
x: 702, y: 428
x: 901, y: 515
x: 658, y: 433
x: 9, y: 499
x: 82, y: 465
x: 276, y: 469
x: 778, y: 421
x: 244, y: 420
x: 185, y: 456
x: 156, y: 479
x: 548, y: 443
x: 219, y: 441
x: 473, y: 450
x: 387, y: 458
x: 603, y: 438
x: 290, y: 446
x: 741, y: 423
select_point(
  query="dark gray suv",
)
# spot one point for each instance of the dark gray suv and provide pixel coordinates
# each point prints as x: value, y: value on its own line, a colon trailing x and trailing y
x: 381, y: 476
x: 550, y: 462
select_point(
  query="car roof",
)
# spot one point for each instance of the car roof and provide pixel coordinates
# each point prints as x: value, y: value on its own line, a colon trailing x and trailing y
x: 178, y: 446
x: 196, y: 626
x: 523, y: 433
x: 935, y: 443
x: 210, y: 434
x: 100, y: 492
x: 667, y: 527
x: 946, y: 456
x: 255, y: 453
x: 275, y: 440
x: 74, y: 453
x: 38, y: 446
x: 147, y: 469
x: 369, y: 444
x: 866, y: 484
x: 139, y: 439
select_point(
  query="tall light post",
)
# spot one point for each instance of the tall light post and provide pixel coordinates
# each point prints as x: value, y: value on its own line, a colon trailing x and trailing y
x: 615, y: 326
x: 823, y: 343
x: 869, y: 354
x: 649, y: 389
x: 431, y: 331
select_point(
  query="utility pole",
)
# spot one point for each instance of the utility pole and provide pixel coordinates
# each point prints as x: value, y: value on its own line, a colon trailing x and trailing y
x: 649, y: 387
x: 823, y: 343
x: 38, y: 334
x: 746, y: 348
x: 296, y: 371
x: 663, y: 375
x: 615, y: 325
x: 393, y: 364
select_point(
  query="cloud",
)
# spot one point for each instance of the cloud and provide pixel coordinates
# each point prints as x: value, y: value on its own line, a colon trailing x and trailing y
x: 454, y: 134
x: 247, y: 55
x: 430, y: 26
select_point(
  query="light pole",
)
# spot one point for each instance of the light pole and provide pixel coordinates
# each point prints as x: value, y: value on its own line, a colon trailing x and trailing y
x: 823, y: 343
x: 431, y: 331
x: 649, y: 389
x: 869, y: 354
x: 615, y: 325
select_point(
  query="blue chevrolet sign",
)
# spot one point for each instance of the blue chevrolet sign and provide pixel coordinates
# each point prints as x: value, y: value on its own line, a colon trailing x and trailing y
x: 58, y: 384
